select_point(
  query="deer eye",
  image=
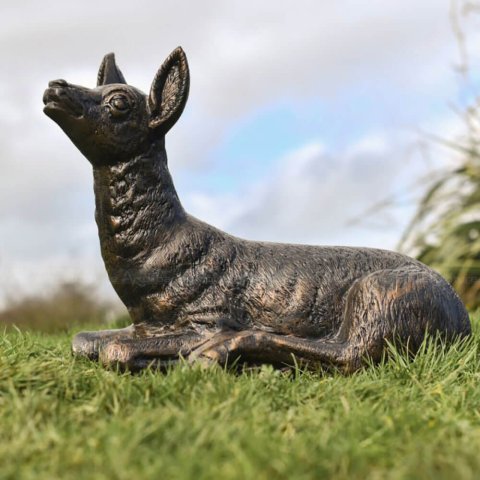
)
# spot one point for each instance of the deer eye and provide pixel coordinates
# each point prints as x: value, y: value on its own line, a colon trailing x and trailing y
x: 119, y: 105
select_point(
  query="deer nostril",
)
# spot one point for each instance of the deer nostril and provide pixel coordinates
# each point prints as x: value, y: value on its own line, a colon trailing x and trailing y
x: 58, y: 83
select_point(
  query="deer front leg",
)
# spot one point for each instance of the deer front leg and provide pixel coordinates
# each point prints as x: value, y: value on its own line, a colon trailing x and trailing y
x: 158, y: 352
x: 88, y: 344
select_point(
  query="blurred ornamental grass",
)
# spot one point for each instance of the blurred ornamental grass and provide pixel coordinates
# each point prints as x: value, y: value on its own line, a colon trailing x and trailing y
x: 445, y: 231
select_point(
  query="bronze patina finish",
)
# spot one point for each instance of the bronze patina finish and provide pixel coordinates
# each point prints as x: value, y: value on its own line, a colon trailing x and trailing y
x: 196, y: 292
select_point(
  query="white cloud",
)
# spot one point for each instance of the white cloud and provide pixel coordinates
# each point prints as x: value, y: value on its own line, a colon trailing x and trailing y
x: 312, y: 194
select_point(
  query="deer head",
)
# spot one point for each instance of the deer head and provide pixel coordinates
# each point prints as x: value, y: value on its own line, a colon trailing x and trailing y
x: 115, y: 121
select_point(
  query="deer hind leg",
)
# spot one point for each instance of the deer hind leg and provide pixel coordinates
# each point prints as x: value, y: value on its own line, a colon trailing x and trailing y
x: 88, y: 344
x: 390, y: 305
x: 400, y: 306
x: 159, y: 352
x: 256, y: 347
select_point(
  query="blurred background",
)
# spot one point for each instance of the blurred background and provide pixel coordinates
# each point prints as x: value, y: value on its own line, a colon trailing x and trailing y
x: 319, y: 122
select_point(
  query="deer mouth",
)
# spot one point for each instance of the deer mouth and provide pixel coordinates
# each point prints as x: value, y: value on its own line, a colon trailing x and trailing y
x: 57, y: 100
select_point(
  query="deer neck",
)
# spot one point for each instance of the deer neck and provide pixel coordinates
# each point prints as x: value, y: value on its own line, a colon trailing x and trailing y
x: 137, y: 207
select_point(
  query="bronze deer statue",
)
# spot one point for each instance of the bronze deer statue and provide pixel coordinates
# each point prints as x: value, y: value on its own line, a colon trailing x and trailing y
x: 197, y: 293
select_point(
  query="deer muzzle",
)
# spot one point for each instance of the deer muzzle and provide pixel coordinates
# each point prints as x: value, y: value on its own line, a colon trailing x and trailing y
x: 62, y: 97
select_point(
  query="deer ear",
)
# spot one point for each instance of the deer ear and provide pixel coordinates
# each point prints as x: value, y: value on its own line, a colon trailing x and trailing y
x: 109, y: 72
x: 169, y: 91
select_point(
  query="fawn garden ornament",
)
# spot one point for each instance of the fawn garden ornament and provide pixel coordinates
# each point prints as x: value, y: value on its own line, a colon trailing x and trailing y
x: 195, y: 292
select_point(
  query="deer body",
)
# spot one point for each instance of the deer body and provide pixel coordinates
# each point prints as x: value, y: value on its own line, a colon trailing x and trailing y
x: 195, y: 291
x: 220, y: 272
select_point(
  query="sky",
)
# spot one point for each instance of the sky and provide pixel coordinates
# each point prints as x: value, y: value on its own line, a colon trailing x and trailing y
x: 302, y: 116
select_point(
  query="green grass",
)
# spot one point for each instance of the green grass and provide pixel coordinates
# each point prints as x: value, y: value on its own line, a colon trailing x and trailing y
x: 66, y: 418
